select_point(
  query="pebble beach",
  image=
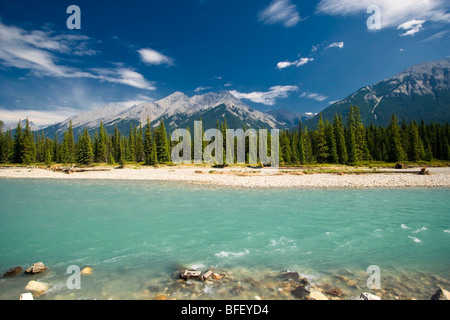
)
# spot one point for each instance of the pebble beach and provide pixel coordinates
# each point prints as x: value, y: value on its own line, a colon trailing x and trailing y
x: 252, y: 178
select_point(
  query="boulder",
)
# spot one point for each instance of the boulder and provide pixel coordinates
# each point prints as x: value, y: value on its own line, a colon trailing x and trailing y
x: 12, y: 272
x: 441, y: 294
x: 189, y: 274
x: 36, y: 268
x: 300, y: 292
x: 26, y: 296
x: 335, y: 292
x: 37, y: 288
x: 369, y: 296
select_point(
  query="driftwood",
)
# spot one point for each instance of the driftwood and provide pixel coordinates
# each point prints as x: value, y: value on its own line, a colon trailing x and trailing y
x: 72, y: 169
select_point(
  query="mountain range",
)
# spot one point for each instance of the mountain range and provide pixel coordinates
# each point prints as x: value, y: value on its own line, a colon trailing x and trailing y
x: 419, y: 92
x: 180, y: 111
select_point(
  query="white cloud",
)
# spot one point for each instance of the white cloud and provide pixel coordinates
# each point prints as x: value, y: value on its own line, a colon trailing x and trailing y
x: 314, y: 96
x: 199, y: 89
x: 412, y: 27
x: 436, y: 36
x: 153, y: 57
x: 228, y: 84
x: 393, y: 12
x: 36, y: 51
x: 38, y: 117
x: 339, y: 45
x: 298, y: 63
x: 267, y: 98
x: 280, y: 11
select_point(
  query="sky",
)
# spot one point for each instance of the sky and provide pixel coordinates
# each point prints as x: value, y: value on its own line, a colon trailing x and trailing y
x: 272, y: 54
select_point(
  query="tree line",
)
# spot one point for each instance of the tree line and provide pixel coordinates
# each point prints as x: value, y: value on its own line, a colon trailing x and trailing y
x: 333, y: 142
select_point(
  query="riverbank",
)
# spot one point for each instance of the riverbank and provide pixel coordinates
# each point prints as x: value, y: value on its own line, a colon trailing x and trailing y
x: 339, y: 177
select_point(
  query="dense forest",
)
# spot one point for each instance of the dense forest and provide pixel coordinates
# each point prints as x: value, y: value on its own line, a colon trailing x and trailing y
x: 331, y: 143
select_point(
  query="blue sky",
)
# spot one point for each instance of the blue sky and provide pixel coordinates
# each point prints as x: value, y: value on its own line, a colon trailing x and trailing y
x: 272, y: 54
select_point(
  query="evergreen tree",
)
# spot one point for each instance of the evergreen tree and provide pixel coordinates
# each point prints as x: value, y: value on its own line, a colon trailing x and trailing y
x: 395, y: 149
x: 340, y: 139
x: 331, y: 143
x: 321, y: 147
x: 131, y: 145
x: 85, y: 155
x: 17, y: 155
x: 28, y: 145
x: 56, y: 154
x: 415, y: 149
x: 68, y: 146
x: 301, y: 144
x: 162, y: 145
x: 148, y: 145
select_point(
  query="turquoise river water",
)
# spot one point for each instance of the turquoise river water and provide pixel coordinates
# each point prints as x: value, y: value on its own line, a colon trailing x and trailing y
x: 134, y: 235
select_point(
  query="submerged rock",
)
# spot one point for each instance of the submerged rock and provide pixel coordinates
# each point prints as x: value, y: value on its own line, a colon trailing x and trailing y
x: 335, y: 292
x: 86, y: 271
x: 36, y: 268
x: 37, y: 288
x: 300, y: 292
x: 317, y: 295
x: 12, y: 272
x: 289, y: 276
x: 441, y: 294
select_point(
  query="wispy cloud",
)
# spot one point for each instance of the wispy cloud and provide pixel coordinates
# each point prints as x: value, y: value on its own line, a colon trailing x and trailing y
x: 39, y: 117
x: 339, y: 45
x: 267, y: 98
x: 435, y: 36
x: 411, y: 27
x: 393, y: 13
x: 314, y: 96
x: 38, y: 51
x: 298, y: 63
x: 153, y: 57
x: 280, y: 12
x: 203, y: 88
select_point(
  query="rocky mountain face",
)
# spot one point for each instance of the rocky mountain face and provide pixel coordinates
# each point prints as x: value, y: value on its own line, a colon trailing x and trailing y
x: 419, y: 92
x: 180, y: 111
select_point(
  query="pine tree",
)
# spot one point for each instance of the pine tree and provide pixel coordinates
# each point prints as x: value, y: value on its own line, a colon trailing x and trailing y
x: 148, y: 145
x: 331, y: 143
x: 56, y: 153
x: 28, y: 145
x: 17, y: 153
x: 301, y: 144
x: 321, y: 147
x: 395, y: 149
x: 415, y: 149
x: 85, y: 155
x: 162, y: 146
x: 340, y: 139
x: 131, y: 145
x: 68, y: 146
x: 139, y: 144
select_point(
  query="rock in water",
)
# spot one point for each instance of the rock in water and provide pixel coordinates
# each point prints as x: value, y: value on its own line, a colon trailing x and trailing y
x: 37, y: 288
x: 188, y: 274
x: 86, y: 271
x: 317, y: 295
x: 441, y: 294
x: 369, y: 296
x: 300, y: 292
x: 335, y: 292
x: 289, y: 276
x: 36, y: 268
x: 12, y: 272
